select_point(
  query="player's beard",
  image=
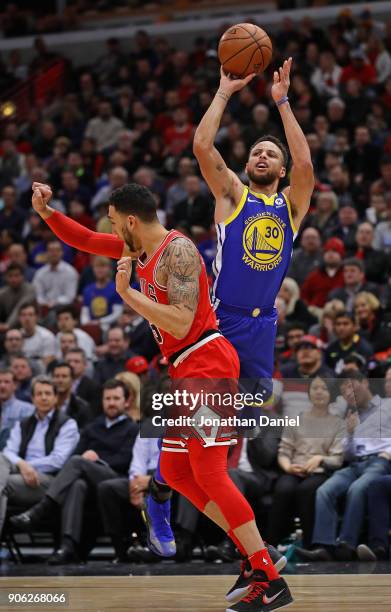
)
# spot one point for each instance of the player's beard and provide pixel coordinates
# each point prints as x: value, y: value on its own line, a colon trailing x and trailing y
x: 129, y: 240
x: 267, y: 178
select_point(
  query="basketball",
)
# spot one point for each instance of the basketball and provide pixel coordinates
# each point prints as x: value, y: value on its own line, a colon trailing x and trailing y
x: 245, y: 48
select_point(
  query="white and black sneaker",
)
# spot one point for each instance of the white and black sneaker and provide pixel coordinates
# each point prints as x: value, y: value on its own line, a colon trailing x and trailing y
x: 264, y: 595
x: 243, y: 584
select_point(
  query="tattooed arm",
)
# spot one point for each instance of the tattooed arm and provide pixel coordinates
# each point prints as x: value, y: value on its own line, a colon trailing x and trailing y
x: 223, y: 183
x: 179, y: 269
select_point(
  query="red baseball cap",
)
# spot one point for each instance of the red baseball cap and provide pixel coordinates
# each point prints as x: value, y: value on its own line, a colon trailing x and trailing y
x: 137, y: 364
x: 308, y: 340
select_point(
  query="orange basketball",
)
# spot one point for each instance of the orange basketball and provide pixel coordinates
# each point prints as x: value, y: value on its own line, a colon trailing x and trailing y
x: 245, y: 48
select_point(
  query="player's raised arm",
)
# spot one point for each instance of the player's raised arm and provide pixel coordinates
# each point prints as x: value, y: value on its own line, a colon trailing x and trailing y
x: 181, y: 261
x: 71, y: 232
x: 302, y: 174
x: 223, y: 183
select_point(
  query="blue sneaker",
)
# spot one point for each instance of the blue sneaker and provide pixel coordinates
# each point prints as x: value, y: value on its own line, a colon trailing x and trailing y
x: 160, y: 537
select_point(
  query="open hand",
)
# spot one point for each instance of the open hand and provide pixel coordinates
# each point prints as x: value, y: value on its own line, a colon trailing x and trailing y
x: 229, y: 84
x: 281, y: 80
x: 124, y: 272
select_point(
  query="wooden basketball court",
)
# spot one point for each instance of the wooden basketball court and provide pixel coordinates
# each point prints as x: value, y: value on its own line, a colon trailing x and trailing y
x: 313, y: 593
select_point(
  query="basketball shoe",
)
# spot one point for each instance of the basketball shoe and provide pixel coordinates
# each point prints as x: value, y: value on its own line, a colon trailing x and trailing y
x: 160, y: 537
x: 243, y: 584
x: 264, y: 596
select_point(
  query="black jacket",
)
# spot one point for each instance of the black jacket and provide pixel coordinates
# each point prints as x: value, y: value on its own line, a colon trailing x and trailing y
x: 114, y: 445
x: 91, y: 392
x: 79, y: 410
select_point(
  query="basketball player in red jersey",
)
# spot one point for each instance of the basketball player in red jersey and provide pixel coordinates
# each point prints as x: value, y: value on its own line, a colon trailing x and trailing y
x: 175, y: 300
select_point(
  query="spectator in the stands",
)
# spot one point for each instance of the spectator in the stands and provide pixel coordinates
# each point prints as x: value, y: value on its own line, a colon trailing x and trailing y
x: 379, y: 521
x: 83, y: 385
x: 374, y: 322
x: 325, y: 77
x: 307, y: 454
x: 103, y: 453
x: 363, y: 157
x: 139, y: 333
x: 39, y: 342
x: 346, y: 226
x: 320, y: 282
x: 11, y: 163
x: 12, y: 408
x: 16, y: 254
x: 67, y: 322
x: 118, y: 177
x: 325, y: 217
x: 348, y: 341
x: 101, y: 303
x: 27, y: 466
x: 23, y: 373
x: 377, y: 213
x: 66, y: 341
x: 382, y: 238
x: 13, y: 295
x: 354, y: 283
x: 368, y: 450
x: 69, y: 402
x: 56, y: 282
x: 294, y: 333
x: 178, y: 136
x: 196, y: 208
x: 116, y: 357
x: 325, y: 328
x: 340, y: 184
x: 295, y: 310
x: 104, y: 128
x: 307, y: 257
x: 11, y: 217
x: 133, y: 385
x: 13, y: 345
x: 376, y: 263
x: 296, y: 375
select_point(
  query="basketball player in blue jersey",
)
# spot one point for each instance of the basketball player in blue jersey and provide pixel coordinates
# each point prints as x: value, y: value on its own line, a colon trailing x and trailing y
x: 256, y: 227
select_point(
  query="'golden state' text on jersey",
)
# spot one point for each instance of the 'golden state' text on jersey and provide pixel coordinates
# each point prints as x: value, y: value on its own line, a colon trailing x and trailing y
x: 253, y: 251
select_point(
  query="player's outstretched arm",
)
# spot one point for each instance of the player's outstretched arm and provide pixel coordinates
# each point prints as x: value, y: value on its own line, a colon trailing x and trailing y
x: 182, y: 267
x: 71, y: 232
x: 223, y: 183
x: 302, y: 174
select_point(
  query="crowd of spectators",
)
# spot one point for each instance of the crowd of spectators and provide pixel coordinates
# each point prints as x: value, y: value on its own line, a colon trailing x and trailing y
x: 131, y: 117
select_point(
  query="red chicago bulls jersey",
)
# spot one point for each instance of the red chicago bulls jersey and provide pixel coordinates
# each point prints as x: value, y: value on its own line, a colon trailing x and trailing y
x: 204, y: 318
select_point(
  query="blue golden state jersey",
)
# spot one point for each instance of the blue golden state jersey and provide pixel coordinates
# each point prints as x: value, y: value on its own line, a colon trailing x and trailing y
x: 254, y: 248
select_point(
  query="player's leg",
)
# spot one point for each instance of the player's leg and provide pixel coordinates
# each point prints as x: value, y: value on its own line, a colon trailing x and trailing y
x: 209, y: 467
x: 156, y: 515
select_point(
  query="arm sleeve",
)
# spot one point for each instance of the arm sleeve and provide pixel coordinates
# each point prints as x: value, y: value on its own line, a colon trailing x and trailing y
x: 12, y: 448
x: 83, y: 239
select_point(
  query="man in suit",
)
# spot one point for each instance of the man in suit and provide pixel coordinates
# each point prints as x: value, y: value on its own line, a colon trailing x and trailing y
x: 84, y: 386
x: 67, y: 401
x: 103, y: 453
x: 36, y: 449
x: 354, y: 283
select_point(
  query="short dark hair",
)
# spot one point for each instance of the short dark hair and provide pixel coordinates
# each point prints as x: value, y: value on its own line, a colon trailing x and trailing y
x: 66, y: 308
x: 4, y: 371
x: 277, y: 142
x: 15, y: 267
x: 134, y: 199
x: 353, y: 261
x: 62, y: 364
x: 351, y: 375
x: 29, y: 305
x: 345, y: 315
x: 113, y: 383
x: 330, y: 384
x: 78, y: 350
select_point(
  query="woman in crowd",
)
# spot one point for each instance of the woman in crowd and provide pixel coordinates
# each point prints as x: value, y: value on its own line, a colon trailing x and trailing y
x: 295, y: 308
x: 307, y: 454
x: 374, y: 323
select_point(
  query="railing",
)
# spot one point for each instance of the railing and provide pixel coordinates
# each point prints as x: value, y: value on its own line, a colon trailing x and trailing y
x: 37, y: 90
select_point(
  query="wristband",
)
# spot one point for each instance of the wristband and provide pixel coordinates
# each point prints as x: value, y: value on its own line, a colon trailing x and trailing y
x: 282, y: 101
